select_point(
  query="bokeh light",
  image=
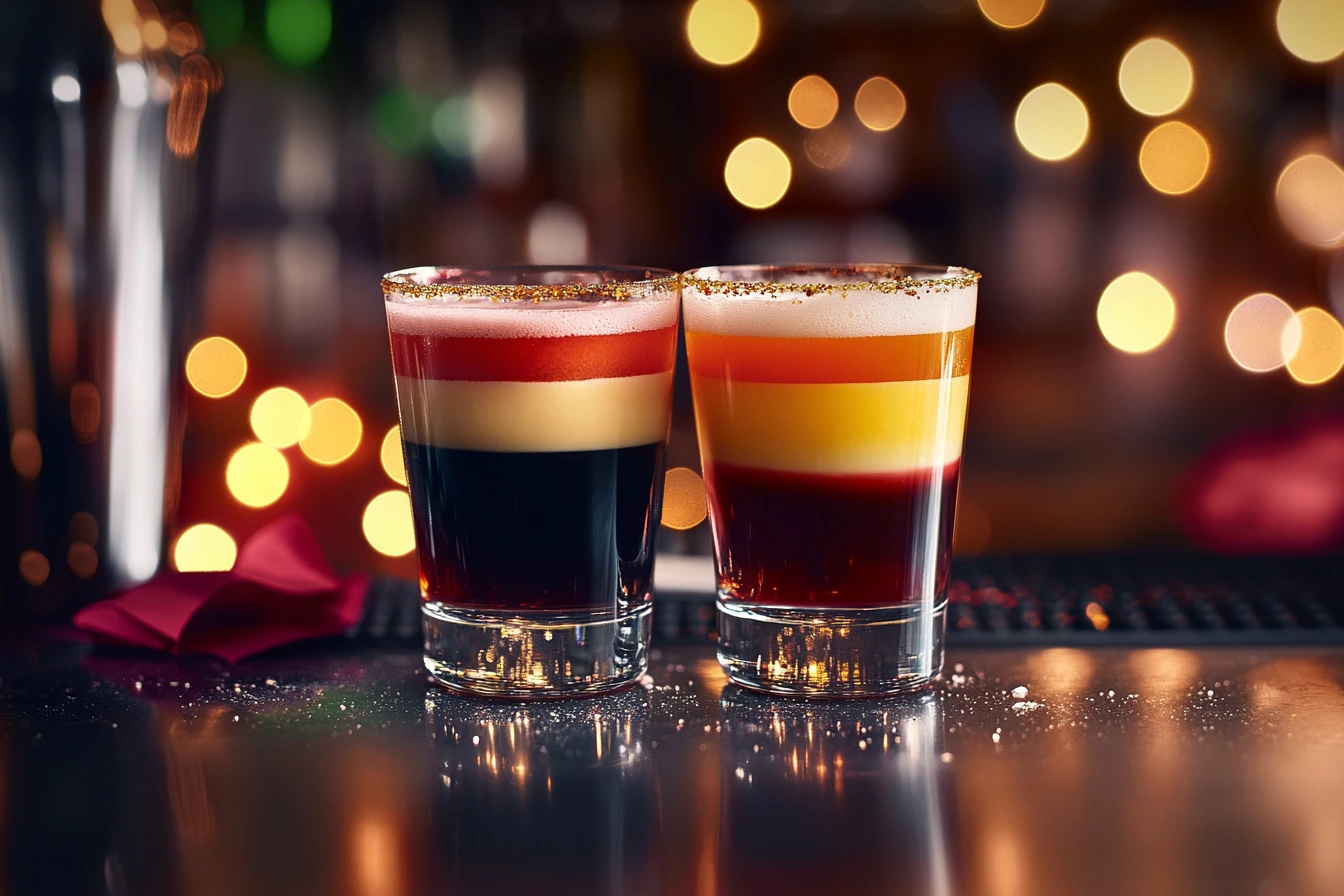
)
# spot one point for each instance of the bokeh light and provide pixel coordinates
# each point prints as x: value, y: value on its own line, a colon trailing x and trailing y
x: 82, y: 559
x: 257, y: 475
x: 33, y: 567
x: 828, y: 148
x: 280, y: 417
x: 86, y: 411
x: 25, y: 453
x: 723, y: 31
x: 1319, y: 353
x: 216, y: 367
x: 182, y: 39
x: 1174, y: 158
x: 387, y: 524
x: 1051, y: 122
x: 1312, y: 30
x: 1256, y: 331
x: 813, y: 102
x: 1011, y: 13
x: 154, y: 34
x: 1310, y: 198
x: 757, y: 173
x: 1136, y: 313
x: 880, y: 104
x: 204, y: 548
x: 298, y: 30
x: 1156, y: 78
x: 402, y: 119
x: 83, y: 527
x: 221, y: 22
x: 683, y: 499
x: 334, y: 433
x: 394, y: 464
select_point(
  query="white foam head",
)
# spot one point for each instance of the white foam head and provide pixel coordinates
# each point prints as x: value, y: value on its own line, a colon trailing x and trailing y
x: 723, y: 300
x: 454, y: 316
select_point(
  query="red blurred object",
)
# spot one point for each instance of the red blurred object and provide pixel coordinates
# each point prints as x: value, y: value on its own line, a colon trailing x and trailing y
x: 280, y: 590
x: 1278, y: 491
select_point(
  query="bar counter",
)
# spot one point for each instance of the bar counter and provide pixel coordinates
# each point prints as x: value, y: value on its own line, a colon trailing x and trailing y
x: 335, y: 768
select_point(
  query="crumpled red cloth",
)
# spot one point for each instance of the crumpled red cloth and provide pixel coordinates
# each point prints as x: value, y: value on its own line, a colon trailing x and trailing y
x: 279, y: 591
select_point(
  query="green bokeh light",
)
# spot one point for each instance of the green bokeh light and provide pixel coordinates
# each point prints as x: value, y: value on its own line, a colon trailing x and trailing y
x: 451, y: 125
x: 401, y: 118
x: 298, y: 30
x: 221, y: 22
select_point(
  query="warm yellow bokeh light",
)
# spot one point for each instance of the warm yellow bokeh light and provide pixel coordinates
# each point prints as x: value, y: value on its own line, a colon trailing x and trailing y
x: 394, y: 464
x: 1310, y: 197
x: 1136, y: 313
x: 1319, y: 353
x: 387, y: 524
x: 1051, y: 122
x: 1174, y: 158
x: 1256, y: 332
x: 257, y: 475
x: 1312, y: 30
x: 723, y: 31
x: 1156, y: 77
x: 280, y: 417
x: 216, y: 367
x: 813, y: 102
x: 204, y: 548
x: 1011, y: 13
x: 757, y: 173
x: 683, y: 499
x: 880, y: 104
x: 334, y: 433
x: 154, y: 34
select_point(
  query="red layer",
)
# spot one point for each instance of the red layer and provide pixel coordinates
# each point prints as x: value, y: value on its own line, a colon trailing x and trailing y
x: 798, y: 539
x: 534, y: 359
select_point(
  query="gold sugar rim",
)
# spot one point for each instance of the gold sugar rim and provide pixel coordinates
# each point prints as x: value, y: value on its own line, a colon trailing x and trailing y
x: 643, y: 282
x: 885, y: 278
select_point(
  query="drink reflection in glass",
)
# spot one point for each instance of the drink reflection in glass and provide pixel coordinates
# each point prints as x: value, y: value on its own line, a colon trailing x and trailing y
x: 830, y: 404
x: 535, y: 404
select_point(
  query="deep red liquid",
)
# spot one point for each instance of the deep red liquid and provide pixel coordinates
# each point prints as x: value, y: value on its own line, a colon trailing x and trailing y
x: 799, y: 539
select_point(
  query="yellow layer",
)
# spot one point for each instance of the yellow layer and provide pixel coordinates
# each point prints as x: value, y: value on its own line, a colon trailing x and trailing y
x: 831, y: 427
x: 573, y: 415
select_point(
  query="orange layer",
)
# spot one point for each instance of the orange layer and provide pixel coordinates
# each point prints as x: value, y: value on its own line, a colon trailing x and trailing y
x: 862, y: 359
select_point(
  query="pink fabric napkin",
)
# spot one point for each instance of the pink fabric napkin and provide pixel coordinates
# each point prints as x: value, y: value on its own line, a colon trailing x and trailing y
x: 280, y: 590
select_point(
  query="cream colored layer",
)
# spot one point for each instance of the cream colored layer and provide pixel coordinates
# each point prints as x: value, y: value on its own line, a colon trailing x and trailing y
x: 570, y: 415
x: 832, y: 427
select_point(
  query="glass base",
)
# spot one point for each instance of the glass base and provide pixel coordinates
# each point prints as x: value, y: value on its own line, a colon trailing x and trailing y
x: 511, y: 654
x: 815, y: 652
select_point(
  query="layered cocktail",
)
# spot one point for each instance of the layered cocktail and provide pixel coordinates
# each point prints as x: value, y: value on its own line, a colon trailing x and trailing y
x: 830, y: 404
x: 534, y: 405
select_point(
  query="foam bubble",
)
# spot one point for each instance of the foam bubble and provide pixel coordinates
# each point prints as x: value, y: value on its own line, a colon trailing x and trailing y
x: 416, y: 316
x: 834, y: 315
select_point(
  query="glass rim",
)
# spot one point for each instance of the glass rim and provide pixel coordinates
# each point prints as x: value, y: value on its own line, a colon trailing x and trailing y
x: 576, y: 282
x: 757, y: 279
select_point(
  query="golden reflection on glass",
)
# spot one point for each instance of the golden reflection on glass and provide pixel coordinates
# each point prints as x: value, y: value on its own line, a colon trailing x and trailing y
x: 375, y: 856
x: 571, y: 784
x: 863, y: 780
x: 196, y: 80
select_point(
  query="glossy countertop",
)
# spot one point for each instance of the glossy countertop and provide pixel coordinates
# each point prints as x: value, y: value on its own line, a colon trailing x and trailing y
x: 336, y: 769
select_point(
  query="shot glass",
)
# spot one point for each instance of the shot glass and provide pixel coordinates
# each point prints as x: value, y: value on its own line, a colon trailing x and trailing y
x: 535, y: 404
x: 830, y: 404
